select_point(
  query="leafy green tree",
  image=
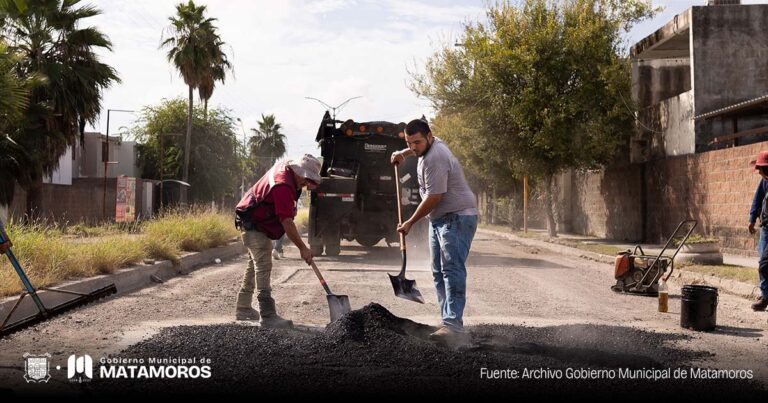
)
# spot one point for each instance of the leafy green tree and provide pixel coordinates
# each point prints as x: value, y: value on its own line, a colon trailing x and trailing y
x: 195, y: 49
x: 544, y: 83
x: 214, y: 170
x: 48, y: 38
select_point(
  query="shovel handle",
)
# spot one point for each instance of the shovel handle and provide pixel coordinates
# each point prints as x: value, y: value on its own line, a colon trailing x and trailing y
x: 320, y: 277
x: 399, y: 207
x: 24, y: 279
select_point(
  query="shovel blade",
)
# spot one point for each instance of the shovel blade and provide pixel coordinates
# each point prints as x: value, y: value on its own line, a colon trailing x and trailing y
x: 338, y: 306
x: 406, y: 289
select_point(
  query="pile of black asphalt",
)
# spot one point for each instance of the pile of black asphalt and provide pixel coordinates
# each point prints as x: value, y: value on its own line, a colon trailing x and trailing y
x: 372, y: 352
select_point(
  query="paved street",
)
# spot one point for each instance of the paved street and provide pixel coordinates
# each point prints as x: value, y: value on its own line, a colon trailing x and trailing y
x: 509, y: 284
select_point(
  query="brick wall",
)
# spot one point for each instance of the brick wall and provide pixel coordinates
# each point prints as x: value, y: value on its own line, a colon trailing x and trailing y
x: 715, y: 188
x: 80, y: 202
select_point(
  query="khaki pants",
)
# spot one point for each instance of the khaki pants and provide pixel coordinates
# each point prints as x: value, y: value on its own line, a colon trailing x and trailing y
x: 259, y: 270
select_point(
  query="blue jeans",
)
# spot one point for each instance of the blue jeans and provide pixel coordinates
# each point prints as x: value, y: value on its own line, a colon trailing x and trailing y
x: 450, y: 238
x: 763, y: 269
x: 279, y: 244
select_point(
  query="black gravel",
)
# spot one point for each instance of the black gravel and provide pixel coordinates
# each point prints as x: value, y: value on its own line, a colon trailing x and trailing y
x: 372, y: 352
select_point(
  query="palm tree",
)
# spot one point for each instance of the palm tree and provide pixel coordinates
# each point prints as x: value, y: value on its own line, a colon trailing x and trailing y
x: 215, y: 71
x: 14, y: 94
x: 194, y: 48
x: 267, y: 145
x: 14, y: 100
x: 47, y: 36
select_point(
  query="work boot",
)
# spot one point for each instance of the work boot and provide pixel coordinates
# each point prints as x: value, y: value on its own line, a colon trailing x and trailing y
x: 446, y: 335
x: 269, y: 316
x: 275, y: 322
x: 760, y: 305
x: 246, y: 313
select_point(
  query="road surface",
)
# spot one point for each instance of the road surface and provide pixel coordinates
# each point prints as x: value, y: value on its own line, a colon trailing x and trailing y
x: 508, y: 284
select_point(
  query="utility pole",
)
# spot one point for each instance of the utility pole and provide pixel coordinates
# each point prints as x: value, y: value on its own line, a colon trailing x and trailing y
x: 245, y: 157
x: 333, y: 108
x: 107, y: 162
x: 115, y: 110
x: 525, y: 204
x: 162, y: 163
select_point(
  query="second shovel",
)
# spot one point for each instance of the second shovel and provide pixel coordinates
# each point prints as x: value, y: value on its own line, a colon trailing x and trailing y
x: 403, y: 287
x: 338, y: 305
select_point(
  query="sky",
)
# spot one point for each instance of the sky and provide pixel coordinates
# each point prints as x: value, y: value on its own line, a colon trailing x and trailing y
x: 285, y: 50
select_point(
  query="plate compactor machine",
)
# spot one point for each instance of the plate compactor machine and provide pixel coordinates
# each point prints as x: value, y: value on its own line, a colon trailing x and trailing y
x: 640, y: 273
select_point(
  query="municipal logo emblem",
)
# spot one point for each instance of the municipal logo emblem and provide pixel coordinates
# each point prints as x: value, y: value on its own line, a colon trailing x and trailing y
x: 37, y: 367
x: 80, y: 368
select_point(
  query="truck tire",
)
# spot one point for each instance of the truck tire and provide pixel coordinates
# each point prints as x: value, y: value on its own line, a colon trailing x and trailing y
x: 332, y: 250
x: 368, y: 241
x: 317, y: 250
x: 332, y: 240
x: 419, y: 233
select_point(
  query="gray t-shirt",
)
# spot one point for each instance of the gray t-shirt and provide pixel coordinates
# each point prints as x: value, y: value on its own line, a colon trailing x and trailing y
x: 439, y: 172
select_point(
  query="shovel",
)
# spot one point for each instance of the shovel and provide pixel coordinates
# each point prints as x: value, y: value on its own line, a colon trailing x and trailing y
x: 403, y: 287
x: 44, y: 312
x: 338, y: 305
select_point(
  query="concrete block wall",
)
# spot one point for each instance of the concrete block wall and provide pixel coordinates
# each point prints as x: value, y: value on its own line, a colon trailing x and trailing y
x: 80, y: 202
x: 714, y: 188
x: 730, y: 65
x: 607, y: 204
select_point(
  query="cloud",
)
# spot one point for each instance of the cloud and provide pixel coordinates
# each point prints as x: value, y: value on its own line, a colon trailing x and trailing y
x: 283, y: 51
x: 326, y: 6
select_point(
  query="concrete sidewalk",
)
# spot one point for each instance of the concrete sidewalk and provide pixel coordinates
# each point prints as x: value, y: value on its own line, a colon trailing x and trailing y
x: 562, y: 245
x: 736, y: 260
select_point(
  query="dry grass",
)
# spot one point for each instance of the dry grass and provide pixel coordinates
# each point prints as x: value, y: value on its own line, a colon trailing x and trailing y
x: 49, y: 255
x: 609, y: 250
x: 302, y: 220
x: 729, y: 271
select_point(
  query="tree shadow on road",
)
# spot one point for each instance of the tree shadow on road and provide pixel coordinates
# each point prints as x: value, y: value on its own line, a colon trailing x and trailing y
x: 479, y: 259
x: 738, y: 331
x: 391, y: 257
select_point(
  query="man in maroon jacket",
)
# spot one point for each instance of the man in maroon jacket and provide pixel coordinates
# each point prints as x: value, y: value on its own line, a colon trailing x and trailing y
x: 265, y: 213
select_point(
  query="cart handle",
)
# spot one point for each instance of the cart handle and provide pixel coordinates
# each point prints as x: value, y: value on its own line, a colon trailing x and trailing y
x: 669, y: 241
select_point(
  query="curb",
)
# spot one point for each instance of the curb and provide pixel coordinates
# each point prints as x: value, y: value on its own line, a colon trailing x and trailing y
x: 565, y: 250
x: 728, y: 286
x: 126, y: 280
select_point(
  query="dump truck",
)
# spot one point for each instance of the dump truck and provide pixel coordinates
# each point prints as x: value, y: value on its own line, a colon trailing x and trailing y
x: 357, y: 198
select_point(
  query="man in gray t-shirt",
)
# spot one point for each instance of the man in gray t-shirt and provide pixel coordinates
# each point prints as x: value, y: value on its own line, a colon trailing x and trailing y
x: 451, y: 207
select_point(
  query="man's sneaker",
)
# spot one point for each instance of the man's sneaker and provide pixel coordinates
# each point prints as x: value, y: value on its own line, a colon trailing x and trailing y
x: 760, y: 305
x: 275, y: 255
x: 282, y: 255
x: 247, y: 314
